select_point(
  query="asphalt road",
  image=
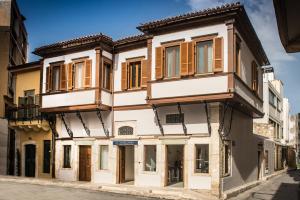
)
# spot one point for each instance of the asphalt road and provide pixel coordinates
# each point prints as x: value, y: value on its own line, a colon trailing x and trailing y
x: 19, y: 191
x: 282, y: 187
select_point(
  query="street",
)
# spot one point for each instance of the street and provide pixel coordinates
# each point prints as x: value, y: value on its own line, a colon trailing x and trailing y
x: 19, y: 191
x: 282, y: 187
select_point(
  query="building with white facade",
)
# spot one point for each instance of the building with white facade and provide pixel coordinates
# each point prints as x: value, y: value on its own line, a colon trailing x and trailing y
x: 173, y: 106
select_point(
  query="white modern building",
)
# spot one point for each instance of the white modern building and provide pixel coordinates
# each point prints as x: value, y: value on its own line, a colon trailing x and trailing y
x: 173, y: 106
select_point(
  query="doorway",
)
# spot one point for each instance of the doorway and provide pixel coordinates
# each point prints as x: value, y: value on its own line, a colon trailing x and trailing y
x: 126, y: 164
x: 84, y: 163
x: 175, y: 165
x: 30, y: 160
x: 259, y: 163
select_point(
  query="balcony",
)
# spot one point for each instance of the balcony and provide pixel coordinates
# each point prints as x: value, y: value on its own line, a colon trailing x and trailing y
x: 210, y: 88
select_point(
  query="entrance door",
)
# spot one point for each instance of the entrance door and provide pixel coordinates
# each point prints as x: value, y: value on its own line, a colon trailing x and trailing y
x: 30, y: 160
x: 126, y: 164
x: 85, y: 163
x: 259, y: 165
x: 175, y: 165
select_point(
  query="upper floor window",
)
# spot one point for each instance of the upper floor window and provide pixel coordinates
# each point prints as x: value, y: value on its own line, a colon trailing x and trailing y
x: 55, y: 78
x: 134, y: 74
x: 238, y: 55
x: 172, y: 61
x: 254, y: 77
x: 174, y: 118
x: 78, y: 74
x: 272, y: 99
x: 107, y: 72
x: 204, y: 59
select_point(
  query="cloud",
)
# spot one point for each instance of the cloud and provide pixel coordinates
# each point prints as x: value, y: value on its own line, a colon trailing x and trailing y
x: 262, y: 16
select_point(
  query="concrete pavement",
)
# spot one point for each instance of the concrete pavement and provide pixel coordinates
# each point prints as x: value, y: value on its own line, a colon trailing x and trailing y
x: 282, y: 187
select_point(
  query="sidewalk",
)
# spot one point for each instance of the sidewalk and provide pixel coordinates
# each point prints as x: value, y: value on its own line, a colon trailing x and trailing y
x: 163, y: 193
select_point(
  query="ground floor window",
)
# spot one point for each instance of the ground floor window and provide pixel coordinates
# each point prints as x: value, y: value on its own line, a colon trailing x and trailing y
x: 103, y: 164
x: 150, y: 158
x: 67, y: 156
x: 266, y: 161
x: 227, y: 158
x: 202, y: 158
x: 46, y: 157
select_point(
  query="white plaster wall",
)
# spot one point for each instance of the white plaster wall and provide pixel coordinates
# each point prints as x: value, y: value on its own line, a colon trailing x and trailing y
x: 200, y: 86
x: 248, y: 95
x: 221, y: 29
x: 107, y: 54
x: 246, y: 66
x: 130, y: 98
x: 285, y: 118
x: 121, y: 57
x: 90, y: 119
x: 69, y: 99
x: 3, y: 145
x: 146, y: 124
x: 106, y: 98
x: 67, y: 59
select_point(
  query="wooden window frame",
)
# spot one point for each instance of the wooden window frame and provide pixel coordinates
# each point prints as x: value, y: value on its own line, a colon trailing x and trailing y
x: 197, y: 41
x: 129, y: 61
x: 57, y: 67
x: 100, y: 152
x: 137, y: 75
x: 107, y: 61
x: 254, y: 75
x: 63, y: 157
x: 170, y: 45
x: 74, y: 76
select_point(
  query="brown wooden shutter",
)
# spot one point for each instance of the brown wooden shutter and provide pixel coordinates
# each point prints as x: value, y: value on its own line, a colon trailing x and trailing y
x: 218, y: 54
x: 63, y: 77
x: 124, y: 80
x: 48, y: 79
x: 70, y: 76
x: 87, y: 73
x: 159, y: 62
x: 184, y: 69
x: 191, y: 57
x: 144, y: 73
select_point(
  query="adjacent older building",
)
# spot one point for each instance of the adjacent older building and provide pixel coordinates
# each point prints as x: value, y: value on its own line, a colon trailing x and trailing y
x: 13, y: 51
x: 173, y: 106
x: 33, y: 136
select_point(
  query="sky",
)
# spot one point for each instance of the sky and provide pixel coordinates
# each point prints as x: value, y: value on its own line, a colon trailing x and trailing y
x: 49, y: 21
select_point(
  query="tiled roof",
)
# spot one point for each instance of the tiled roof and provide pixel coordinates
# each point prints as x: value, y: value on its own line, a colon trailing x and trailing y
x: 77, y: 41
x: 191, y: 15
x: 133, y: 38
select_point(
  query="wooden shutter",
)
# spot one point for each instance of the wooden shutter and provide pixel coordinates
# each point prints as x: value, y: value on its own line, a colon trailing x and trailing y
x: 70, y: 76
x: 48, y: 79
x: 218, y: 54
x: 144, y: 73
x: 184, y: 69
x: 124, y: 80
x: 159, y: 62
x: 191, y: 57
x: 87, y: 73
x: 63, y: 77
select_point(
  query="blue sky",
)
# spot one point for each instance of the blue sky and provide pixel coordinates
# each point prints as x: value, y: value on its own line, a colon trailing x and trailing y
x: 51, y: 21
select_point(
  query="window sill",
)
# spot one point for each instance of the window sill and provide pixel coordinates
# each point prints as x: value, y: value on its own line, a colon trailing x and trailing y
x: 201, y: 174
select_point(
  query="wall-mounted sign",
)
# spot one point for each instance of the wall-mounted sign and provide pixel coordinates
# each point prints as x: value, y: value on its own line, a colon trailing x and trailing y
x: 125, y: 142
x: 125, y: 130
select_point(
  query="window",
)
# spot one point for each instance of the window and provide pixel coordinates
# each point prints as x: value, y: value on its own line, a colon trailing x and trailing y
x: 174, y: 118
x: 78, y: 74
x: 202, y: 160
x: 150, y: 158
x: 107, y: 76
x: 46, y: 157
x: 238, y: 56
x: 67, y: 156
x: 254, y: 77
x: 135, y: 73
x: 204, y: 59
x: 103, y: 164
x: 266, y: 161
x: 227, y: 158
x: 55, y: 78
x: 272, y: 99
x: 125, y: 130
x: 172, y: 61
